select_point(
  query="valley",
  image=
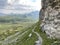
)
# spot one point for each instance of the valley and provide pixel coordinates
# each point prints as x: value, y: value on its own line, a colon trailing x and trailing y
x: 18, y: 29
x: 19, y: 34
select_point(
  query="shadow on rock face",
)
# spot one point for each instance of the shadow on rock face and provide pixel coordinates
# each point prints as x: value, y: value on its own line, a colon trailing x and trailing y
x: 49, y: 17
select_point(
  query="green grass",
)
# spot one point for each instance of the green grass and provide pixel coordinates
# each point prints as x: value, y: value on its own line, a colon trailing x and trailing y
x: 25, y: 39
x: 11, y: 24
x: 7, y: 29
x: 30, y: 41
x: 46, y: 41
x: 10, y: 29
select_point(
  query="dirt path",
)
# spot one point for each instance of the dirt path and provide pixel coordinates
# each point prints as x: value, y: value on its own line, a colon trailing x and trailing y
x: 39, y: 41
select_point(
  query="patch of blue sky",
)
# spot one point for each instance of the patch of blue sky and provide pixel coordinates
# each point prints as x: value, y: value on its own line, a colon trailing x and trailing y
x: 33, y: 0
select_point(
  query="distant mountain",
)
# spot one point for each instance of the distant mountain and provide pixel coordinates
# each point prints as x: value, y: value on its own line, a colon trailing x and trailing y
x: 1, y: 14
x: 32, y: 16
x: 34, y: 13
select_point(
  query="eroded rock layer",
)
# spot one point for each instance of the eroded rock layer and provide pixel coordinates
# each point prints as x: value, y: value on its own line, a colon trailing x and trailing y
x: 50, y: 17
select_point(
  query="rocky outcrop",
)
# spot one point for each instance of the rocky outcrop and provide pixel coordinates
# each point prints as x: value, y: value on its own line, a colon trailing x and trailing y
x: 50, y: 18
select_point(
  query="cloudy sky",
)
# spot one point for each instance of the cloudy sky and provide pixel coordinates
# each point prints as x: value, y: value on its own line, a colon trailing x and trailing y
x: 19, y: 6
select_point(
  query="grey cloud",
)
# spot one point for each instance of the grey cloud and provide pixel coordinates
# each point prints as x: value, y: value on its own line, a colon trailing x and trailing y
x: 18, y: 8
x: 3, y: 3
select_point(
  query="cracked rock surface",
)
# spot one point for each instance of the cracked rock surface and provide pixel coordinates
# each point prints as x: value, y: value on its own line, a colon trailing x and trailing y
x: 50, y: 18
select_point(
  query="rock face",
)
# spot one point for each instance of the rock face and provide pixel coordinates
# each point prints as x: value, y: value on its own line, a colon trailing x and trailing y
x: 50, y: 18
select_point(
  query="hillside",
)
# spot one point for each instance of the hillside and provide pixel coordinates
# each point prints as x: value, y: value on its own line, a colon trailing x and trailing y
x: 30, y: 17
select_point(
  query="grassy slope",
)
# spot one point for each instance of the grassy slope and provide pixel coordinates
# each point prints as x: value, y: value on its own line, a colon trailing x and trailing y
x: 15, y: 19
x: 46, y: 41
x: 10, y: 29
x: 26, y: 40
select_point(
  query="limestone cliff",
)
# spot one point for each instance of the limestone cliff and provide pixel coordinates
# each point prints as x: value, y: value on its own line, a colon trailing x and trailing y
x: 50, y: 17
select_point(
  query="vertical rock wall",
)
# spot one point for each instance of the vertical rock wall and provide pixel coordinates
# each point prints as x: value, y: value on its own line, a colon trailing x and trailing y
x: 50, y: 18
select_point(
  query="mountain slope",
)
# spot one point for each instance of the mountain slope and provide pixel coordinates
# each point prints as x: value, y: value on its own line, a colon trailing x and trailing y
x: 32, y: 16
